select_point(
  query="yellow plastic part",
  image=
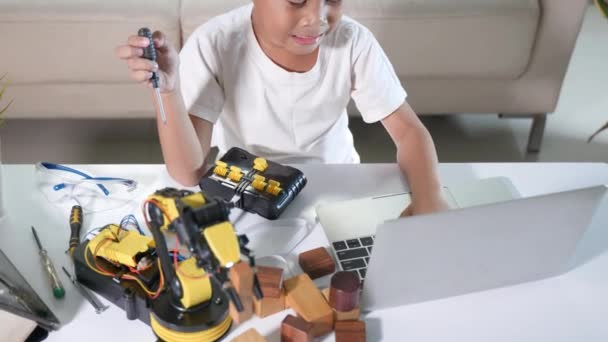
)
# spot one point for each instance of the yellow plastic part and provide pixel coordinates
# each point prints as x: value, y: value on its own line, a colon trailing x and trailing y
x: 196, y: 286
x: 223, y: 243
x: 274, y: 187
x: 221, y: 168
x: 123, y: 251
x: 260, y: 164
x: 168, y: 205
x: 259, y: 182
x: 235, y: 174
x: 210, y: 335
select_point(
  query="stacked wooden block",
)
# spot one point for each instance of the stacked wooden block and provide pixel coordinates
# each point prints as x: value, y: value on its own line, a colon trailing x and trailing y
x: 241, y: 276
x: 271, y: 282
x: 319, y: 312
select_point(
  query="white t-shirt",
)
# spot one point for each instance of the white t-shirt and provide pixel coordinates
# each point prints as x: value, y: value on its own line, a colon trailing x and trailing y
x: 227, y: 79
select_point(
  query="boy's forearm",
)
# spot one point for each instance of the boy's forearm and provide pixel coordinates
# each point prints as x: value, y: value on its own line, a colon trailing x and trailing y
x: 181, y: 149
x: 418, y: 161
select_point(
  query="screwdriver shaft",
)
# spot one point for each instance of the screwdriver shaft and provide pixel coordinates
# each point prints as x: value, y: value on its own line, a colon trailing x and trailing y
x: 97, y: 305
x: 161, y: 108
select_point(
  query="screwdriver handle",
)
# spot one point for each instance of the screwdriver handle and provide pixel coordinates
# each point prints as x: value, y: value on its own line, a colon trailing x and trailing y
x: 149, y: 52
x: 75, y: 225
x: 58, y: 290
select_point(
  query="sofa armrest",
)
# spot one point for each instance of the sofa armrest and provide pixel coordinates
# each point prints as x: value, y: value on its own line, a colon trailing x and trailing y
x: 560, y: 25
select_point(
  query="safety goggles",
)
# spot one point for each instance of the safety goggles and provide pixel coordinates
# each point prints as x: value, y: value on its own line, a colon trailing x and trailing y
x: 63, y: 185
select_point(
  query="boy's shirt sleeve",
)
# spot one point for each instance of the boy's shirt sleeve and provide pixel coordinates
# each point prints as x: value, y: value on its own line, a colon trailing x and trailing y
x: 376, y: 89
x: 199, y: 82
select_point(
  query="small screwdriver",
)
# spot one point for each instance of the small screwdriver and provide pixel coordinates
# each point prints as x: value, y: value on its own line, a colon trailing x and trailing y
x: 97, y: 305
x: 58, y: 290
x: 75, y: 225
x: 150, y: 53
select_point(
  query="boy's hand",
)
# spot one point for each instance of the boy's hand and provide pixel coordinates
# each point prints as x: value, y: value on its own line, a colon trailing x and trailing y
x: 426, y: 206
x: 140, y: 69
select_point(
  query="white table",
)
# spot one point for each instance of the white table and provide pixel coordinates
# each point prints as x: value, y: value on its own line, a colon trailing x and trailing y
x: 571, y: 307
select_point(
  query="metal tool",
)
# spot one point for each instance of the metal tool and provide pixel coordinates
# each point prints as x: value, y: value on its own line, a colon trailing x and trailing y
x: 97, y: 305
x: 150, y: 53
x: 58, y: 290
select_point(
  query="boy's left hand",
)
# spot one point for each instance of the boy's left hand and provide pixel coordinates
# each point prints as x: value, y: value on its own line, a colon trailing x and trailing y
x: 427, y: 205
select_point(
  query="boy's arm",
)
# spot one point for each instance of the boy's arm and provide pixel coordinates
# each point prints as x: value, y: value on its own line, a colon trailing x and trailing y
x: 417, y: 159
x: 185, y: 141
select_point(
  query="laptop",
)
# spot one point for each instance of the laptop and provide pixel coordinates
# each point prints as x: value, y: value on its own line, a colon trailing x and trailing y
x: 350, y: 225
x: 465, y: 250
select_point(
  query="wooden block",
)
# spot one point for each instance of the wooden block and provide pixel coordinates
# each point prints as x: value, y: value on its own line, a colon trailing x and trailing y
x: 296, y: 329
x: 344, y: 291
x: 352, y: 315
x: 247, y: 313
x: 250, y: 335
x: 241, y: 276
x: 317, y: 263
x: 325, y: 293
x: 268, y: 306
x: 350, y: 331
x: 303, y: 296
x: 271, y: 281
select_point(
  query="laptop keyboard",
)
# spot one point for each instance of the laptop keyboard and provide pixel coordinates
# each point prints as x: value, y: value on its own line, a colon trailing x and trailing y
x: 353, y: 254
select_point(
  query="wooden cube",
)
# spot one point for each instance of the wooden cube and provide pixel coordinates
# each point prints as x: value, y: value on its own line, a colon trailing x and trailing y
x: 250, y: 335
x: 271, y: 281
x: 268, y: 306
x: 317, y: 263
x: 303, y: 296
x: 241, y: 276
x: 325, y: 293
x: 247, y: 313
x: 351, y: 315
x: 350, y: 331
x: 296, y: 329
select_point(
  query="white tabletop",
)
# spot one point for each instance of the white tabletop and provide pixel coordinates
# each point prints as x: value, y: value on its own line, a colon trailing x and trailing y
x: 570, y: 307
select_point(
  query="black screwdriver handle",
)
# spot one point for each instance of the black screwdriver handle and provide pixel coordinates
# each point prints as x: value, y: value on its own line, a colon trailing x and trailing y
x: 149, y: 52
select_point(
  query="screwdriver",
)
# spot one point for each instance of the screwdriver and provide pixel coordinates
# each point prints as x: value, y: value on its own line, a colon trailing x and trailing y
x: 75, y: 225
x: 150, y: 53
x: 97, y: 305
x: 58, y: 290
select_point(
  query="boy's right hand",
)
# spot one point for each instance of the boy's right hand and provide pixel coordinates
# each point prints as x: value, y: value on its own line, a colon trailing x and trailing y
x: 140, y: 69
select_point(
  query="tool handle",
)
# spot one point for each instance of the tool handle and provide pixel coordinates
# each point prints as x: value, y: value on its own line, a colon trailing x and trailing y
x: 75, y: 225
x: 149, y: 52
x: 58, y: 290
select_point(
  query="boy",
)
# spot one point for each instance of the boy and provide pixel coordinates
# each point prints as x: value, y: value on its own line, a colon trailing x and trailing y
x: 274, y: 77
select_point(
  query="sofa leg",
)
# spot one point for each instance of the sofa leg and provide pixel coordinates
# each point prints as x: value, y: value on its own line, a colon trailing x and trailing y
x: 537, y: 133
x: 539, y: 121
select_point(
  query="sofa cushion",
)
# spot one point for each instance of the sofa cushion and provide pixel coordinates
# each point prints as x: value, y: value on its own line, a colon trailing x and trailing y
x: 69, y: 41
x: 431, y: 39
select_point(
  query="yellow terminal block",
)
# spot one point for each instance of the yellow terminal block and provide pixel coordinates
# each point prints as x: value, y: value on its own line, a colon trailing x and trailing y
x: 235, y: 174
x: 259, y: 182
x: 221, y: 168
x: 260, y: 164
x: 274, y: 187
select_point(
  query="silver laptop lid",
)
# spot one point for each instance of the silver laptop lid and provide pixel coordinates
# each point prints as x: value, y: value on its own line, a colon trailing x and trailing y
x: 466, y: 250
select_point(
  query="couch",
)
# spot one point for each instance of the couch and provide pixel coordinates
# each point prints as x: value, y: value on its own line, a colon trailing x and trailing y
x: 506, y: 57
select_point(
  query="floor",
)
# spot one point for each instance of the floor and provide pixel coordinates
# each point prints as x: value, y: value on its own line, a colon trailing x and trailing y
x: 582, y: 109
